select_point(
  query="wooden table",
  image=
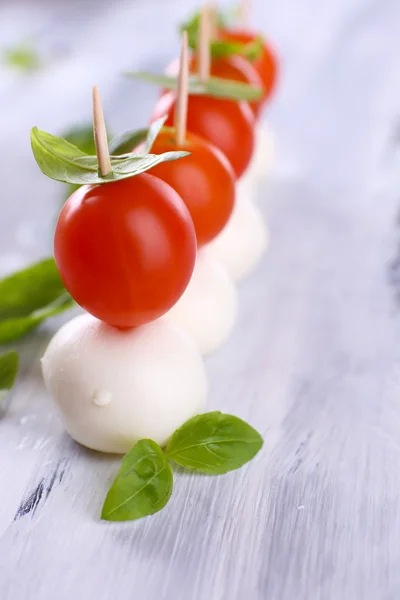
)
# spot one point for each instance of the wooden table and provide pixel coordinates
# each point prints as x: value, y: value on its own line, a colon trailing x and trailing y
x: 314, y: 362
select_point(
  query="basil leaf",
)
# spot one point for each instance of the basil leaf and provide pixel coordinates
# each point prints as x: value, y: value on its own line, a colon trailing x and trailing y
x: 14, y: 328
x: 214, y: 443
x: 250, y: 50
x: 153, y: 132
x: 192, y: 26
x: 221, y: 48
x: 215, y: 86
x: 233, y: 90
x: 128, y: 165
x: 60, y: 160
x: 31, y: 288
x: 253, y: 50
x: 23, y: 58
x: 82, y: 137
x: 8, y: 372
x: 143, y: 485
x: 57, y: 158
x: 127, y: 142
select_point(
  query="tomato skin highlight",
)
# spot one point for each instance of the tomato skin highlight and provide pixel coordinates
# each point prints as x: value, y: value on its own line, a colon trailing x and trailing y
x: 266, y: 64
x: 204, y: 180
x: 227, y: 124
x: 235, y: 68
x: 125, y: 250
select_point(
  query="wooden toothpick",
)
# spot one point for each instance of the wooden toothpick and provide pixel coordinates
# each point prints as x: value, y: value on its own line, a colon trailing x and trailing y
x: 100, y: 135
x: 213, y: 16
x: 204, y: 54
x: 180, y: 119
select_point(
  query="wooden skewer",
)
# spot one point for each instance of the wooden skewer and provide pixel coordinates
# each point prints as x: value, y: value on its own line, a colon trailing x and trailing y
x: 213, y: 16
x: 180, y: 119
x: 100, y: 135
x: 204, y: 54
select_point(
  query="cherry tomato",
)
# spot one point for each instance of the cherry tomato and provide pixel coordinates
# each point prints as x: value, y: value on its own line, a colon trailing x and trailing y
x: 125, y: 250
x: 235, y: 68
x: 204, y: 180
x: 266, y: 65
x: 227, y: 124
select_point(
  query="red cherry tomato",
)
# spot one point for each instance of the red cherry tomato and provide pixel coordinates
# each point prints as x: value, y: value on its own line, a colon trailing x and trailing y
x: 204, y: 180
x: 266, y: 65
x: 125, y: 250
x: 235, y: 68
x: 227, y: 124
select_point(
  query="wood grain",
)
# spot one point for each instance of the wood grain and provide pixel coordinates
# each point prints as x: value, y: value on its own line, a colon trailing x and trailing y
x: 314, y: 362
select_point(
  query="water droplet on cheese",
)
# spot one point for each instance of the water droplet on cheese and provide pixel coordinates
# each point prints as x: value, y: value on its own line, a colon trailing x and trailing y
x: 102, y: 398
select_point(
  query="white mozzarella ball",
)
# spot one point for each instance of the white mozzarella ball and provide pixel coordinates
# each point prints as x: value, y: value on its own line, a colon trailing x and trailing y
x: 248, y: 185
x: 242, y: 242
x: 207, y: 309
x: 115, y: 387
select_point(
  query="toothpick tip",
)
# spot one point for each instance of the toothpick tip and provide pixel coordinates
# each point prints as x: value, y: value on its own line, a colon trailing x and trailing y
x: 180, y: 120
x: 204, y: 53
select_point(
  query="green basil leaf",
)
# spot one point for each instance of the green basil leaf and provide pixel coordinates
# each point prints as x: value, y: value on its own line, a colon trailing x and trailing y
x: 82, y: 137
x: 215, y: 86
x: 16, y: 327
x: 143, y: 485
x: 127, y: 142
x: 214, y: 443
x: 250, y: 50
x: 233, y: 90
x: 23, y: 58
x: 153, y: 132
x: 128, y: 165
x: 253, y: 49
x: 57, y: 158
x: 192, y: 27
x: 8, y: 372
x: 31, y: 288
x: 221, y: 48
x: 60, y: 160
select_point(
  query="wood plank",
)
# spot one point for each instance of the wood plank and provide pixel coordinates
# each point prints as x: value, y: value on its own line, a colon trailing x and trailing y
x: 314, y: 359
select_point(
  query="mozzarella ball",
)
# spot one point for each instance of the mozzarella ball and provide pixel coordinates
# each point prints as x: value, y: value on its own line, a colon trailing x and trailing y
x: 242, y: 242
x: 248, y: 185
x: 114, y: 387
x: 207, y: 310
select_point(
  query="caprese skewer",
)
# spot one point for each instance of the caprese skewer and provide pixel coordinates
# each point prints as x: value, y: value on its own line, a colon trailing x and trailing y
x: 125, y: 249
x: 205, y: 181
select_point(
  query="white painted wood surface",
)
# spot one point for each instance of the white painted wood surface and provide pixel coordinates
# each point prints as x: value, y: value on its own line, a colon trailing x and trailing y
x: 314, y: 361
